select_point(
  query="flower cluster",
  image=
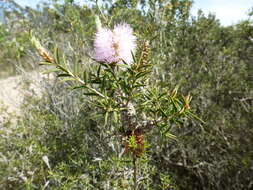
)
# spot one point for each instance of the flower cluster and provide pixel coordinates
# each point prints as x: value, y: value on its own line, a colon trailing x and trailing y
x: 113, y: 46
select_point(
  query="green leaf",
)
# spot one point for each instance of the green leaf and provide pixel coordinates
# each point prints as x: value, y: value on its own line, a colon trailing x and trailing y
x: 85, y: 77
x: 147, y: 65
x: 169, y: 135
x: 133, y: 56
x: 176, y: 108
x: 124, y: 66
x: 163, y: 113
x: 103, y: 64
x: 98, y: 71
x: 62, y: 68
x: 178, y: 122
x: 139, y: 85
x: 196, y: 117
x: 90, y: 94
x: 132, y: 142
x: 56, y: 55
x: 51, y: 71
x: 45, y: 63
x: 111, y: 71
x: 63, y: 75
x: 115, y: 116
x: 78, y: 87
x: 131, y: 71
x: 142, y: 74
x: 161, y: 95
x: 106, y: 118
x: 67, y: 79
x: 76, y: 67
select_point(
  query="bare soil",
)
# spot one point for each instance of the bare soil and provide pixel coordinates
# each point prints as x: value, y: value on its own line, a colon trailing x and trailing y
x: 14, y: 89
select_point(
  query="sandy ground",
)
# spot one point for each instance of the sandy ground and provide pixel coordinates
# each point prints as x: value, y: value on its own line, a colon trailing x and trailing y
x: 14, y: 89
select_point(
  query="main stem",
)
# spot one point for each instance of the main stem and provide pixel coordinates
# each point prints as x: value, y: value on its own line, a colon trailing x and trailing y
x: 135, y: 172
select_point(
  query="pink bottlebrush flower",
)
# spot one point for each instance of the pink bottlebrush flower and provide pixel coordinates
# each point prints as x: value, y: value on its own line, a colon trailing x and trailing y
x: 104, y: 50
x: 115, y: 45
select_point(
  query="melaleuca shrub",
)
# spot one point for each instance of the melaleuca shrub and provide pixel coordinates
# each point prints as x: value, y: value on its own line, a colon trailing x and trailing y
x: 119, y: 84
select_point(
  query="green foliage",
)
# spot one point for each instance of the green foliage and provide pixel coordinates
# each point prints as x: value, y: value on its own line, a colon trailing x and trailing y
x: 205, y: 58
x: 44, y: 150
x: 14, y: 46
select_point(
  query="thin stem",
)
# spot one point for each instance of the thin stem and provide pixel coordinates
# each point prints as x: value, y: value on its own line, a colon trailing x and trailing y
x: 135, y: 172
x: 88, y: 87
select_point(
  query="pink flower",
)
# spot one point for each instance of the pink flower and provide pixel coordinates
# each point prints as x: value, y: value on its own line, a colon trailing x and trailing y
x: 115, y: 45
